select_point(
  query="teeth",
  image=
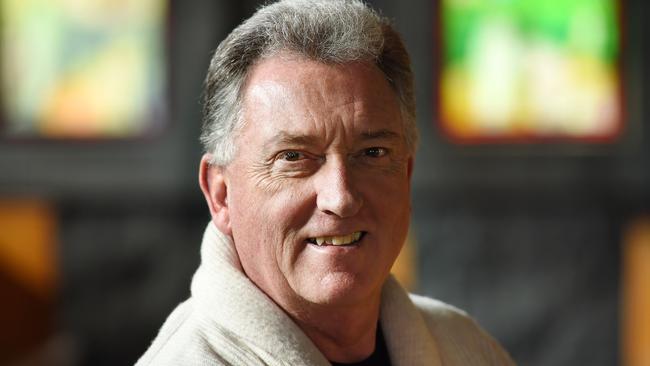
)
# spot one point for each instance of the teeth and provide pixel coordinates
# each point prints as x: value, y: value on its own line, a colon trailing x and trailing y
x: 337, y: 240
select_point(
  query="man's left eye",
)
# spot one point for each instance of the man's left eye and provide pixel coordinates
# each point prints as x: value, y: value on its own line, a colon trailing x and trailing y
x: 375, y: 152
x: 292, y: 155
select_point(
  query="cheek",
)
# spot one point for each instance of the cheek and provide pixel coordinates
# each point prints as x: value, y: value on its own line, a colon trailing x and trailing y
x: 274, y: 217
x: 240, y: 206
x: 390, y: 206
x: 389, y: 193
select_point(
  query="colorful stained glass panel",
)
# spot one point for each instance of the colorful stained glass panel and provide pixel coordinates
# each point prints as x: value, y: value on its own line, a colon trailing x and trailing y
x: 521, y: 69
x: 82, y: 68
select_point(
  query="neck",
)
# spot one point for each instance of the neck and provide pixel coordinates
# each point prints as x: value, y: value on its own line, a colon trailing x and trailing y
x: 343, y: 334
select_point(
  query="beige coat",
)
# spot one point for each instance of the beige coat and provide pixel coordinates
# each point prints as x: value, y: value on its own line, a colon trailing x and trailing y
x: 229, y: 321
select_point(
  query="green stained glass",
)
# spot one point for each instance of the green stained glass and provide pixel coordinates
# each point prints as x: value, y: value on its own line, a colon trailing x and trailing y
x: 530, y: 68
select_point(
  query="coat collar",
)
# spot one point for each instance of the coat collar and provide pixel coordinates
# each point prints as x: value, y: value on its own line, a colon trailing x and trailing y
x: 231, y: 303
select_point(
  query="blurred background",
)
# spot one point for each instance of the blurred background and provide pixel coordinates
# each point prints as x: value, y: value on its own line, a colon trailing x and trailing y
x: 531, y: 190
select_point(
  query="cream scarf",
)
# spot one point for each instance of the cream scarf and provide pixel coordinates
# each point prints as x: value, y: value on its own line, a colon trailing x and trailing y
x: 229, y: 321
x: 228, y: 299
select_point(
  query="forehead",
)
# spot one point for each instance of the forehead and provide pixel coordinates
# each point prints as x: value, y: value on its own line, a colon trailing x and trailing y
x: 293, y: 93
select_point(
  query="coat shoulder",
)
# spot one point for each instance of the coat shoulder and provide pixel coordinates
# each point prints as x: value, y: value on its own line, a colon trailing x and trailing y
x: 180, y: 342
x: 461, y: 340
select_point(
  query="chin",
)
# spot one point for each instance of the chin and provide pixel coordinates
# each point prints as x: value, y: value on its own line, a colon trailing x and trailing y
x: 342, y: 289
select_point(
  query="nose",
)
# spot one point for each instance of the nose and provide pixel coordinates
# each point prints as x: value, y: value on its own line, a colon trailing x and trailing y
x: 336, y: 194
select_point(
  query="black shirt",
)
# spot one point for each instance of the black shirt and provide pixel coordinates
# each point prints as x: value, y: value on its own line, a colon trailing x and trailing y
x: 379, y: 357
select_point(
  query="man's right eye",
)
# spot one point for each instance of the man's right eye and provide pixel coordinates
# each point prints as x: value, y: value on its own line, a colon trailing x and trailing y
x: 291, y: 155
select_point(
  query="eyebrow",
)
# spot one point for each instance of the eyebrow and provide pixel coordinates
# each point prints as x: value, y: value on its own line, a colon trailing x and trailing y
x: 287, y: 138
x: 382, y: 134
x: 284, y: 137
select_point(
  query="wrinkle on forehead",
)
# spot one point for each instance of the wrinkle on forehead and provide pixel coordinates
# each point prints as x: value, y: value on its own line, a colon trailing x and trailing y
x: 307, y: 76
x: 305, y: 96
x: 278, y: 90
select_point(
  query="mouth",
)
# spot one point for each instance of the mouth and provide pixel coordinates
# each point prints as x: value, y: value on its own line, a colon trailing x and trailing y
x: 339, y: 241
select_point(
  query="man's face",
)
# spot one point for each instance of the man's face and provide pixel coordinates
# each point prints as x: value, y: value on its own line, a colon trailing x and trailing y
x: 321, y: 160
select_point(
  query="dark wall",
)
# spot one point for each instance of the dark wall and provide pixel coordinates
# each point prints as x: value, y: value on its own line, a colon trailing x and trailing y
x: 525, y: 238
x: 541, y: 275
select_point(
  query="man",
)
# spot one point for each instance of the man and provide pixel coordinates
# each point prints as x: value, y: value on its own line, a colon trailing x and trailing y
x: 309, y: 132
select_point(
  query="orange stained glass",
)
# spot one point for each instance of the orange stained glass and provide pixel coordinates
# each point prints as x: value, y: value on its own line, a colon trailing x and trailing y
x: 405, y: 268
x: 636, y: 294
x: 28, y: 237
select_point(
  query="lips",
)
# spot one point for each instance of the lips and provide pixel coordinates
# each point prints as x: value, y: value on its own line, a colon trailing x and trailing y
x: 338, y: 240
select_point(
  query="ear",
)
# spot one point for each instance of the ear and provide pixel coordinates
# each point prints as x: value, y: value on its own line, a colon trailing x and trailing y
x: 410, y: 167
x: 215, y: 190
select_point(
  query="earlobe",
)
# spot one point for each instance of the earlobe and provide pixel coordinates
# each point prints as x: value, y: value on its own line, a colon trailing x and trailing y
x: 215, y: 190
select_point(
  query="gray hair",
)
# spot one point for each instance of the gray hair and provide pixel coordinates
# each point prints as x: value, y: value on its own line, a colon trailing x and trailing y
x: 330, y: 31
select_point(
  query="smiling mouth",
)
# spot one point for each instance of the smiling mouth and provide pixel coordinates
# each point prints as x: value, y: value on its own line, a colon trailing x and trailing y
x: 350, y: 239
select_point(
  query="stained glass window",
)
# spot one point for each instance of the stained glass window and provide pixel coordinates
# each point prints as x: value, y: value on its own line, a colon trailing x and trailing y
x: 522, y: 69
x: 82, y: 68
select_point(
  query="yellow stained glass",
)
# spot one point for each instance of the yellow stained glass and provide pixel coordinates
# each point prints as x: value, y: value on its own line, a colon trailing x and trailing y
x: 82, y: 68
